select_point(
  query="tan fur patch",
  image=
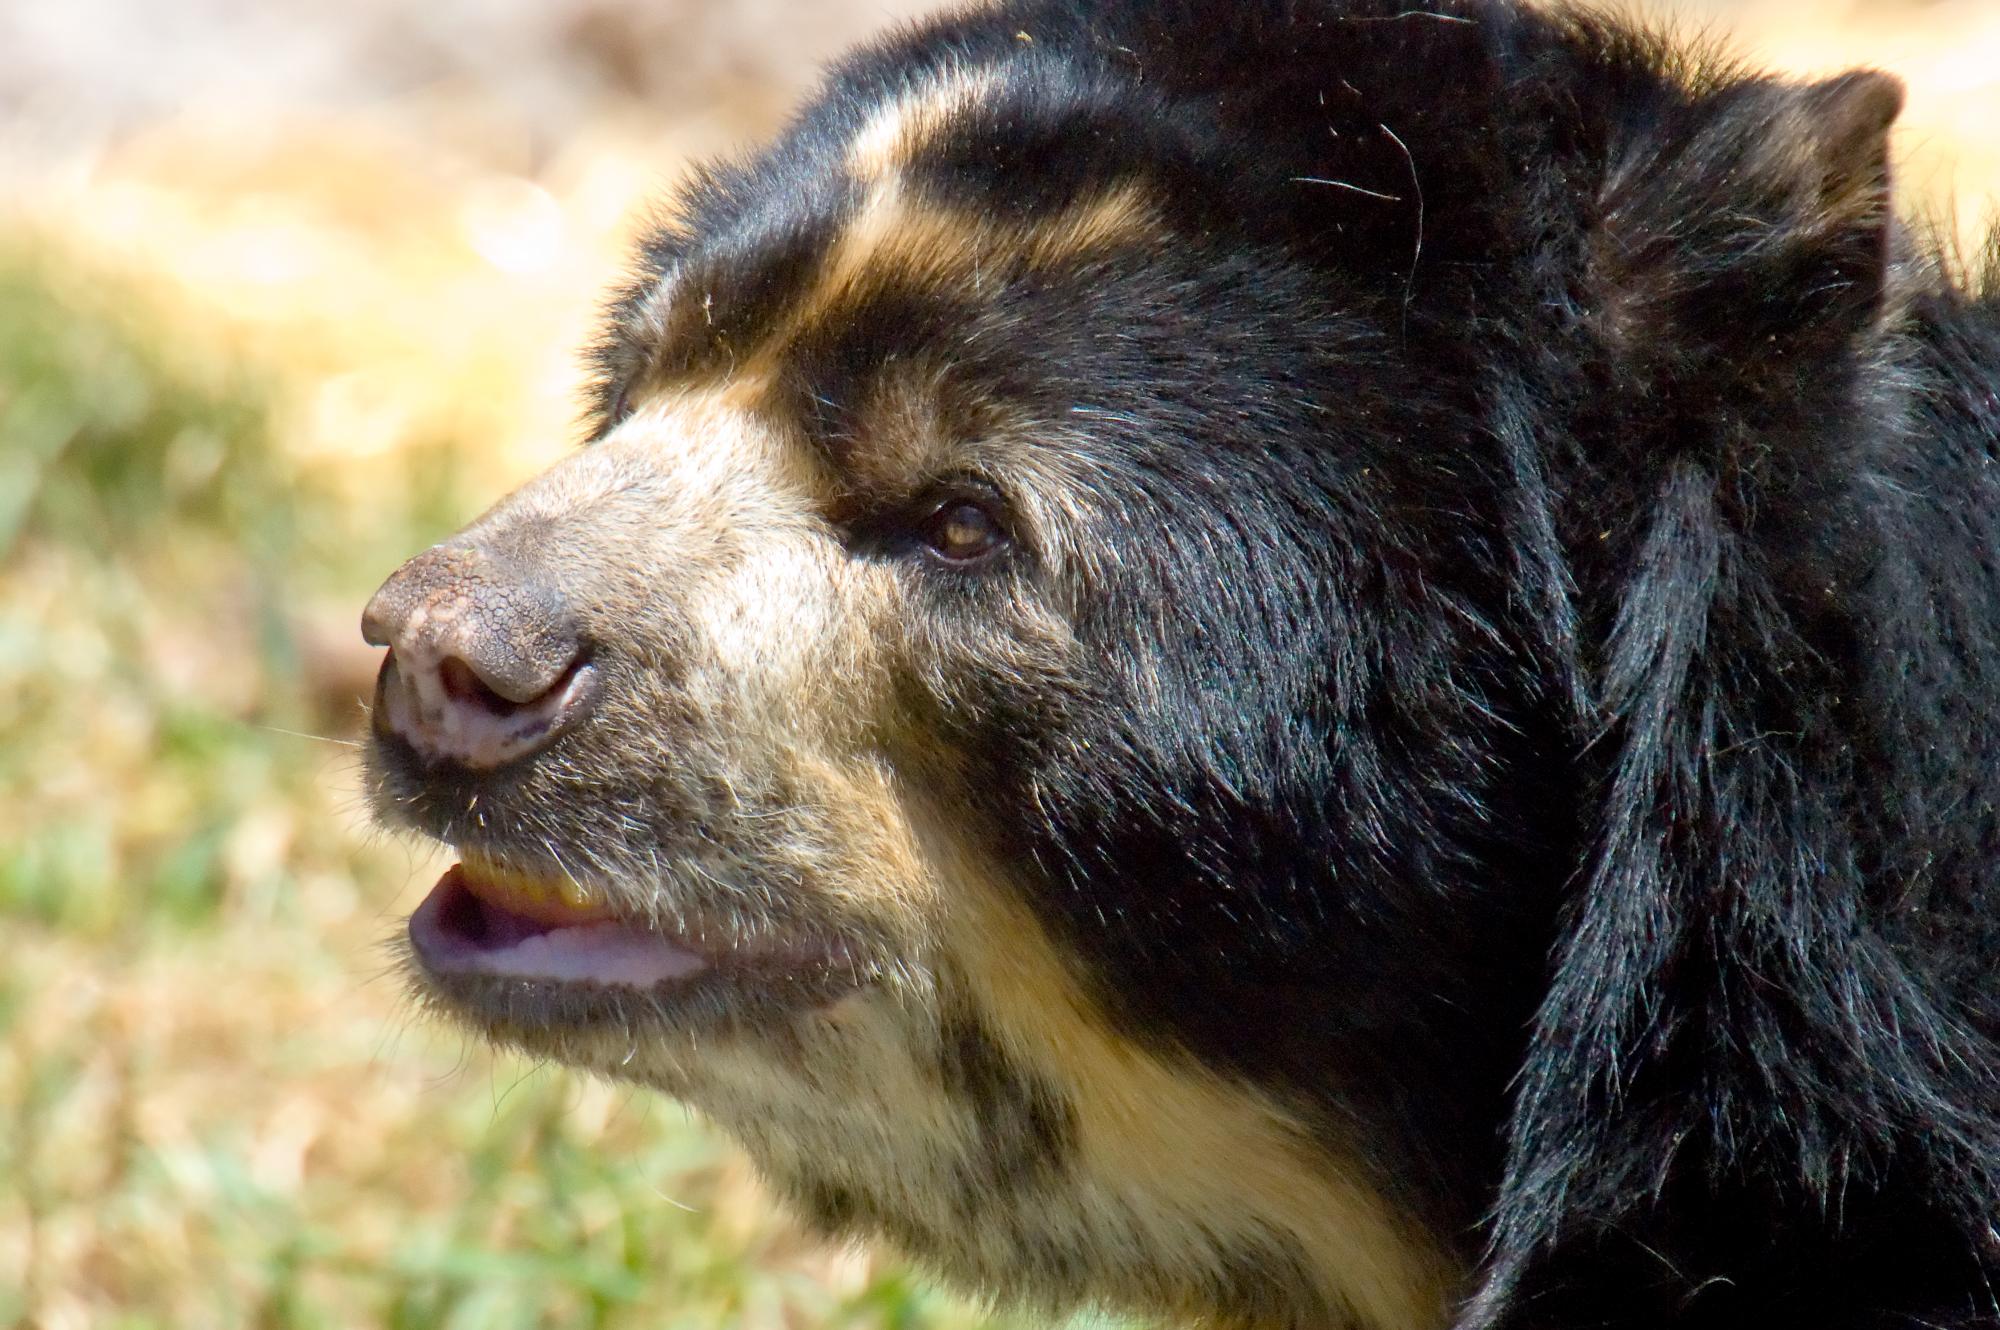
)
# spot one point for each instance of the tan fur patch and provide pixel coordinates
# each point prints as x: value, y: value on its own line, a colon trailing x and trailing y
x: 899, y: 238
x: 898, y: 241
x: 1206, y: 1164
x: 898, y: 131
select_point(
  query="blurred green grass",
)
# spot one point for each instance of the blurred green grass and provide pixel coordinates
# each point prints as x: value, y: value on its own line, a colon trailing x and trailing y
x: 213, y: 1108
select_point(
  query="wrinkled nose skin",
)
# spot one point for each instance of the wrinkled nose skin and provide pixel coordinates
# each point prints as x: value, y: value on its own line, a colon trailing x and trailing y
x: 485, y: 665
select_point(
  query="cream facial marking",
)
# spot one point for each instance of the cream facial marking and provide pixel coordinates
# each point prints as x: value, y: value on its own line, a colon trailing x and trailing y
x: 896, y: 132
x: 898, y: 238
x: 1198, y: 1166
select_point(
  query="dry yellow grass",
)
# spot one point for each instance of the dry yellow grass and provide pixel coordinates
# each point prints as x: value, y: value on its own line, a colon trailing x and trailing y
x: 350, y: 321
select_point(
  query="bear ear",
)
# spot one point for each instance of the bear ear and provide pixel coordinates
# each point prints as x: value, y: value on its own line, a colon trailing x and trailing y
x: 1748, y: 221
x: 1855, y: 112
x: 1846, y: 132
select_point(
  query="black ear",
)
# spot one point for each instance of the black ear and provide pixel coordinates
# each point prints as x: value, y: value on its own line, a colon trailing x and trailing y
x: 1746, y: 232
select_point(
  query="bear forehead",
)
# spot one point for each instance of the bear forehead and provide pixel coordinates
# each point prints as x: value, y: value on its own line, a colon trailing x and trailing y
x: 850, y: 269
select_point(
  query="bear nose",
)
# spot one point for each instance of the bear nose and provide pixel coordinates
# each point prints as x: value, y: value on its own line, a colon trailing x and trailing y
x: 485, y: 665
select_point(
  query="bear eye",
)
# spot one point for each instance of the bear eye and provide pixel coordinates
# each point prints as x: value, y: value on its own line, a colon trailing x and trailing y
x: 621, y: 407
x: 962, y: 531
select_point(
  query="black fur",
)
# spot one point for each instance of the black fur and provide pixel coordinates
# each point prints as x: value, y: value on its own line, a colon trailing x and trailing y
x: 1542, y: 707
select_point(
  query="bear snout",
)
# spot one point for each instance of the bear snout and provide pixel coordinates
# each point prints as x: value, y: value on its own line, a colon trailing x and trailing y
x: 486, y: 664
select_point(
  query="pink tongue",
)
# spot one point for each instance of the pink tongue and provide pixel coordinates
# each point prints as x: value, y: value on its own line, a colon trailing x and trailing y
x: 605, y: 953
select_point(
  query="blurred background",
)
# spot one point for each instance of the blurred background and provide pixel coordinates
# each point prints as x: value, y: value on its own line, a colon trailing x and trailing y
x: 289, y: 290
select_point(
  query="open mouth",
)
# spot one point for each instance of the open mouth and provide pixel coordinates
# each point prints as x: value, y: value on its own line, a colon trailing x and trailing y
x: 494, y: 937
x: 483, y: 920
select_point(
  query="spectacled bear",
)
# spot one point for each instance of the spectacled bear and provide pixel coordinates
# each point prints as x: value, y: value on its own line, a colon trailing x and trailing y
x: 1281, y: 663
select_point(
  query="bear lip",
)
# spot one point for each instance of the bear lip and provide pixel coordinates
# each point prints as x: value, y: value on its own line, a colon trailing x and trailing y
x: 484, y: 919
x: 461, y: 929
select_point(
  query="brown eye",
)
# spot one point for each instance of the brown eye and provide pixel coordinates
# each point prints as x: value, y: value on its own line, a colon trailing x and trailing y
x: 621, y: 407
x: 963, y: 531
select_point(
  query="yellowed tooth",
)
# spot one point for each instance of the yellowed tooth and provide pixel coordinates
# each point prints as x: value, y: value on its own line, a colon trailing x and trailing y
x: 548, y: 897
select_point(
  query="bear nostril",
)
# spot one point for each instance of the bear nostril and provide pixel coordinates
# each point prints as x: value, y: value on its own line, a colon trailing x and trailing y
x: 463, y: 685
x: 447, y: 710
